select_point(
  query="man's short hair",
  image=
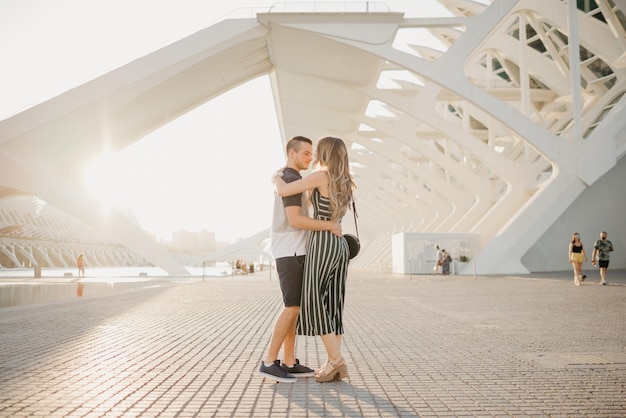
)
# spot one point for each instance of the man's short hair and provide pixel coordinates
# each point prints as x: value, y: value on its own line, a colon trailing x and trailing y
x: 296, y: 142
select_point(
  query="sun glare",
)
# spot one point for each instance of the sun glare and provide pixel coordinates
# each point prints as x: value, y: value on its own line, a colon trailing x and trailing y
x: 102, y: 178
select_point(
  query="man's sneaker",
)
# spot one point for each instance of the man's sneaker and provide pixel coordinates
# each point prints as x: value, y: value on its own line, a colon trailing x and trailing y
x: 275, y: 372
x: 299, y: 370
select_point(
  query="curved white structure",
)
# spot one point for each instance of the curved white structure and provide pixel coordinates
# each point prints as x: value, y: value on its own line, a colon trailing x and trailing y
x: 512, y: 128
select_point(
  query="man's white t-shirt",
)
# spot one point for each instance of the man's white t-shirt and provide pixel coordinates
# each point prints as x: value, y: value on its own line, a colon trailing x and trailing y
x: 285, y: 240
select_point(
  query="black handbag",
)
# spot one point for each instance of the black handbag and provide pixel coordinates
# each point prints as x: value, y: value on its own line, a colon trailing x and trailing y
x: 354, y: 244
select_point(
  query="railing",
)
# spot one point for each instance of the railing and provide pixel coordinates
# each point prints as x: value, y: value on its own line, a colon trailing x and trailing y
x: 315, y: 7
x: 325, y: 7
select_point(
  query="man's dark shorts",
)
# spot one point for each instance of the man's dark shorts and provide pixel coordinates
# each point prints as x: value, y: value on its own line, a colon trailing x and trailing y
x: 290, y: 271
x: 603, y: 263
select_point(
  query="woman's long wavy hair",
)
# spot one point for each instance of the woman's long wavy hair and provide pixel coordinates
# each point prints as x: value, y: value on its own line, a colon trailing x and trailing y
x: 332, y: 155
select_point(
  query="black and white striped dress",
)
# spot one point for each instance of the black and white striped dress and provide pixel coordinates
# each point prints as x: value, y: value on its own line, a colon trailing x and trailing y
x: 324, y: 280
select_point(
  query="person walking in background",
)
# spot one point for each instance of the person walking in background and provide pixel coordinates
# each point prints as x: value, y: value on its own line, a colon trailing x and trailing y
x: 288, y: 235
x: 577, y: 256
x: 437, y: 259
x: 445, y: 262
x: 326, y: 264
x: 80, y: 263
x: 601, y: 251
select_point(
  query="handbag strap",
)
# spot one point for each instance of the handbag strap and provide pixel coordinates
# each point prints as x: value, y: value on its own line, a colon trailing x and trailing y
x: 356, y: 227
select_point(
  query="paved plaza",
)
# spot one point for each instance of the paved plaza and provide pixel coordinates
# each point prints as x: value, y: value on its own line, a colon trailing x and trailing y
x: 429, y: 346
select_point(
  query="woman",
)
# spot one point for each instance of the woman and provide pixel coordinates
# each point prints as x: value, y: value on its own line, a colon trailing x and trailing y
x: 576, y: 257
x: 326, y: 263
x: 438, y: 261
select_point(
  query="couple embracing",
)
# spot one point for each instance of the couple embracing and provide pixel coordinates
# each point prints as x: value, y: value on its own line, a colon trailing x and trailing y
x: 312, y: 266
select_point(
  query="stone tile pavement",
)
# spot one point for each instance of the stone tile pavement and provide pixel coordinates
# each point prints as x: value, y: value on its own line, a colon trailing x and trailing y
x: 525, y: 346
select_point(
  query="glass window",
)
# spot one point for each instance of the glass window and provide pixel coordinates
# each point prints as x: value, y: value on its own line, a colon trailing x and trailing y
x: 538, y: 45
x: 599, y: 68
x: 610, y: 82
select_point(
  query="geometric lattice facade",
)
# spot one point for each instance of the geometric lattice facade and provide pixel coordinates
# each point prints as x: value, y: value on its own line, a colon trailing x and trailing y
x: 34, y: 233
x: 512, y: 127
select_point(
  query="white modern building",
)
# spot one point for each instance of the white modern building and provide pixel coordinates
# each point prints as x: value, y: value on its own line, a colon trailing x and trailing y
x: 513, y: 127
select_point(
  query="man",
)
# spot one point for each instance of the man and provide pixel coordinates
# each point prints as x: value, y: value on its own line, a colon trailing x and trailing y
x: 288, y: 236
x: 601, y: 251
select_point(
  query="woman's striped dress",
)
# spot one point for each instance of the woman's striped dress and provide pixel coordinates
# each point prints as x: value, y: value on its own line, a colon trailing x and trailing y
x: 324, y: 280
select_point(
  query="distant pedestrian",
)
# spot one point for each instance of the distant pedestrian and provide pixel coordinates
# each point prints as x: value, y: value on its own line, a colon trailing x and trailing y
x: 80, y: 263
x: 601, y: 251
x: 437, y: 260
x: 445, y: 262
x: 577, y: 256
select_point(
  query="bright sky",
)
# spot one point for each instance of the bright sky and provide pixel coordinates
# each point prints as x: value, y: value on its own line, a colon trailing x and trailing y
x: 178, y: 177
